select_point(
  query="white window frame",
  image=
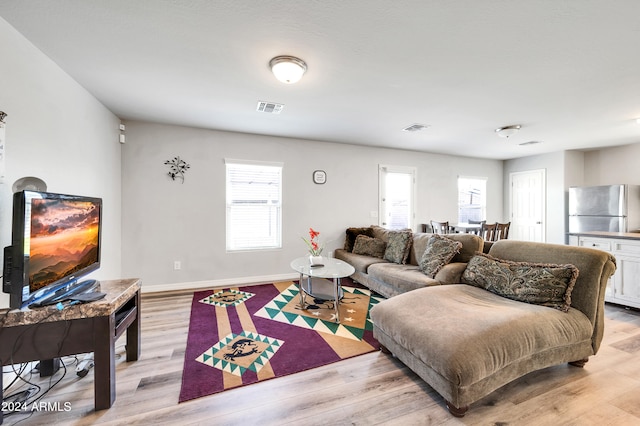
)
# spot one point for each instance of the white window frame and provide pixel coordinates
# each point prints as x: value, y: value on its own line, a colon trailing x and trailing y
x: 483, y: 198
x: 236, y: 225
x: 383, y: 170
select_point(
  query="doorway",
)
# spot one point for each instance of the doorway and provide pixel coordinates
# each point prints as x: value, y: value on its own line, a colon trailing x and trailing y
x: 528, y: 197
x: 397, y: 195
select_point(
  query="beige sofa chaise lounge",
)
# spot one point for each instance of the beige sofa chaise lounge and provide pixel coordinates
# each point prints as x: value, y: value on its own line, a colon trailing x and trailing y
x: 466, y: 341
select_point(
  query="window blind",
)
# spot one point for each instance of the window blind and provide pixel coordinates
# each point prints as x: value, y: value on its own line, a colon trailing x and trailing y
x: 254, y: 205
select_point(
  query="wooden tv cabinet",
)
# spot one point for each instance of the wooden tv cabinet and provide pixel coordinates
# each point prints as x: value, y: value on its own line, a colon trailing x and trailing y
x: 46, y: 333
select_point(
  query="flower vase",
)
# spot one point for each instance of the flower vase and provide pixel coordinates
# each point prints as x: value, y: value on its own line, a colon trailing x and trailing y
x: 315, y: 260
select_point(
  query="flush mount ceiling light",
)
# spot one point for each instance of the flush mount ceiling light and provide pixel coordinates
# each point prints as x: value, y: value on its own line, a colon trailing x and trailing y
x: 508, y: 131
x: 288, y: 69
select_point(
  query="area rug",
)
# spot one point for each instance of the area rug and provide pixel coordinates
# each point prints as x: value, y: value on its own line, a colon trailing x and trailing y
x: 243, y: 335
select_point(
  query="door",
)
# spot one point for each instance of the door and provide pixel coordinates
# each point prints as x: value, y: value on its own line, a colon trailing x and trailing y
x: 397, y: 195
x: 528, y: 206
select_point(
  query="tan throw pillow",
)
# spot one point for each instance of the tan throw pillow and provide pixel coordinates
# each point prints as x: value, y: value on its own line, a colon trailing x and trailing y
x: 440, y: 250
x: 369, y: 246
x: 398, y: 246
x: 536, y: 283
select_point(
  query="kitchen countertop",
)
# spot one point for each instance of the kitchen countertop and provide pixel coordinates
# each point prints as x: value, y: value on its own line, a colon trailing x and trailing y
x: 604, y: 234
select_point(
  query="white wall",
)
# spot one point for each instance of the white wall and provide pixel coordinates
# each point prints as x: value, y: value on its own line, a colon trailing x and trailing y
x: 166, y: 220
x: 60, y: 133
x: 612, y: 166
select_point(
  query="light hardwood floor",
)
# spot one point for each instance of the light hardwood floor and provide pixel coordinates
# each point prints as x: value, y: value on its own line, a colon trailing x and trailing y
x: 366, y: 390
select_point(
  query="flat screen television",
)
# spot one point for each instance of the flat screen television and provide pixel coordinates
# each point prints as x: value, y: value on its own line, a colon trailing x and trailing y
x: 55, y: 240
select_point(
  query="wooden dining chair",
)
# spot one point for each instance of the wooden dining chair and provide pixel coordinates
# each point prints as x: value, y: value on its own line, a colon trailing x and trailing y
x: 502, y: 231
x: 489, y: 231
x: 440, y: 227
x: 425, y: 228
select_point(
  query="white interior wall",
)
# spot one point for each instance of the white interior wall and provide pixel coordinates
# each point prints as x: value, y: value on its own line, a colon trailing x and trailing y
x: 612, y: 166
x: 166, y: 220
x: 60, y: 133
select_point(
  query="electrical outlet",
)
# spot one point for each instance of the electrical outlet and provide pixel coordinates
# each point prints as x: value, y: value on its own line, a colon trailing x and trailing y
x: 177, y: 265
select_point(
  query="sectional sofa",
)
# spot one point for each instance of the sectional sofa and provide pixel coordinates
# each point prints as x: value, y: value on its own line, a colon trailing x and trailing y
x: 484, y: 319
x: 388, y: 277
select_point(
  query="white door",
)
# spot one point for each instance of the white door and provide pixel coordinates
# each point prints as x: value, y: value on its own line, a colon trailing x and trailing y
x: 528, y: 206
x: 397, y: 194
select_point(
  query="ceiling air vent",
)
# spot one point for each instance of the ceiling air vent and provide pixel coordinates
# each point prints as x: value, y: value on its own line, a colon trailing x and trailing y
x: 529, y: 143
x: 269, y: 107
x: 415, y: 128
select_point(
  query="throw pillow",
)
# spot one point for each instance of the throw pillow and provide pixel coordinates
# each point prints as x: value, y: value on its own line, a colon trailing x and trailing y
x: 440, y: 250
x: 536, y: 283
x: 352, y: 234
x: 398, y: 246
x: 369, y: 246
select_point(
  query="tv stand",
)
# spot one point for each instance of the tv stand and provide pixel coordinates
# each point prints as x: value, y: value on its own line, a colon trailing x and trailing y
x: 47, y: 333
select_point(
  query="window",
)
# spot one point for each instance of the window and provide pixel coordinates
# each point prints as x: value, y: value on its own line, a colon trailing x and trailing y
x: 472, y: 199
x: 397, y: 188
x: 254, y: 205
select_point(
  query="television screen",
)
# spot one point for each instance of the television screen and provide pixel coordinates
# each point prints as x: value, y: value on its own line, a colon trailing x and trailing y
x: 55, y: 241
x: 64, y: 239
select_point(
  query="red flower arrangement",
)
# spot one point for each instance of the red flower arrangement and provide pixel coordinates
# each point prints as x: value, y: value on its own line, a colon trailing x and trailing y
x: 315, y: 249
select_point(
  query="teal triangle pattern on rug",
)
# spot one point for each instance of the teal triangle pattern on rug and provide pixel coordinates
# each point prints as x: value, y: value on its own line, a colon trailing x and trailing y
x: 274, y: 311
x: 209, y: 356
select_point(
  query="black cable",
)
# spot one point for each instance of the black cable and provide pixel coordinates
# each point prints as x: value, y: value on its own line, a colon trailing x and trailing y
x: 51, y: 386
x: 23, y: 367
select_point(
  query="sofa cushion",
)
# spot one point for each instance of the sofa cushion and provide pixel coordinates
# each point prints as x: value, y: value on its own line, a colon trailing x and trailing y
x: 402, y: 277
x: 352, y: 234
x: 537, y: 283
x: 369, y: 246
x: 360, y: 262
x: 471, y: 244
x: 439, y: 252
x: 398, y: 246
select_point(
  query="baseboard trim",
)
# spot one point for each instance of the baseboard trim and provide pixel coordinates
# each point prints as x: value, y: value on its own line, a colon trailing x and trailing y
x: 229, y: 282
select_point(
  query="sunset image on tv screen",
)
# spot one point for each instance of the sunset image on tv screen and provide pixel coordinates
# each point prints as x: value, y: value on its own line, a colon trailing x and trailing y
x: 64, y: 239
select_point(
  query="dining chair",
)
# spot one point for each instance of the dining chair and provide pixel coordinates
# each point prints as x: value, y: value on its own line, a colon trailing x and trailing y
x: 489, y: 231
x: 425, y: 228
x: 502, y: 231
x: 440, y: 227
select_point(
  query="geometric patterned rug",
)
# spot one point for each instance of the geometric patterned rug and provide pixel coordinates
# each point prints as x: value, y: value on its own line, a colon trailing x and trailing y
x: 244, y: 335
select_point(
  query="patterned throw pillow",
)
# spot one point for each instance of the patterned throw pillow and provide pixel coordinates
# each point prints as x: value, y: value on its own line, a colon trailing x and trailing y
x: 398, y: 246
x: 369, y: 246
x: 352, y: 234
x: 440, y: 250
x: 536, y: 283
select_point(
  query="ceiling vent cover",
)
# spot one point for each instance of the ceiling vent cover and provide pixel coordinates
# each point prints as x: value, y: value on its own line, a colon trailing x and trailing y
x: 415, y: 128
x: 269, y: 107
x: 529, y: 143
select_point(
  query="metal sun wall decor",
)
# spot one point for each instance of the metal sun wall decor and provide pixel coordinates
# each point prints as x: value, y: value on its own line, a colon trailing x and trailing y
x: 177, y: 168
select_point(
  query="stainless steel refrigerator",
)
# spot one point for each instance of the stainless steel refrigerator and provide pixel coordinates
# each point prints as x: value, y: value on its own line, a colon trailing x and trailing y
x: 611, y: 208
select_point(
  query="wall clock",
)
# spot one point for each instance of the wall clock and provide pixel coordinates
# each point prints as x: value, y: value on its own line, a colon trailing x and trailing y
x: 319, y: 177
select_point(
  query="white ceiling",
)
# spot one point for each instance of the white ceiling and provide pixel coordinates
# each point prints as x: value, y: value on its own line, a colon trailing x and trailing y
x: 568, y: 71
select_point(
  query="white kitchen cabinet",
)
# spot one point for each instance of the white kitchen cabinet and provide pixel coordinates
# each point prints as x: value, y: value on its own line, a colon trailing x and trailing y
x: 624, y: 285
